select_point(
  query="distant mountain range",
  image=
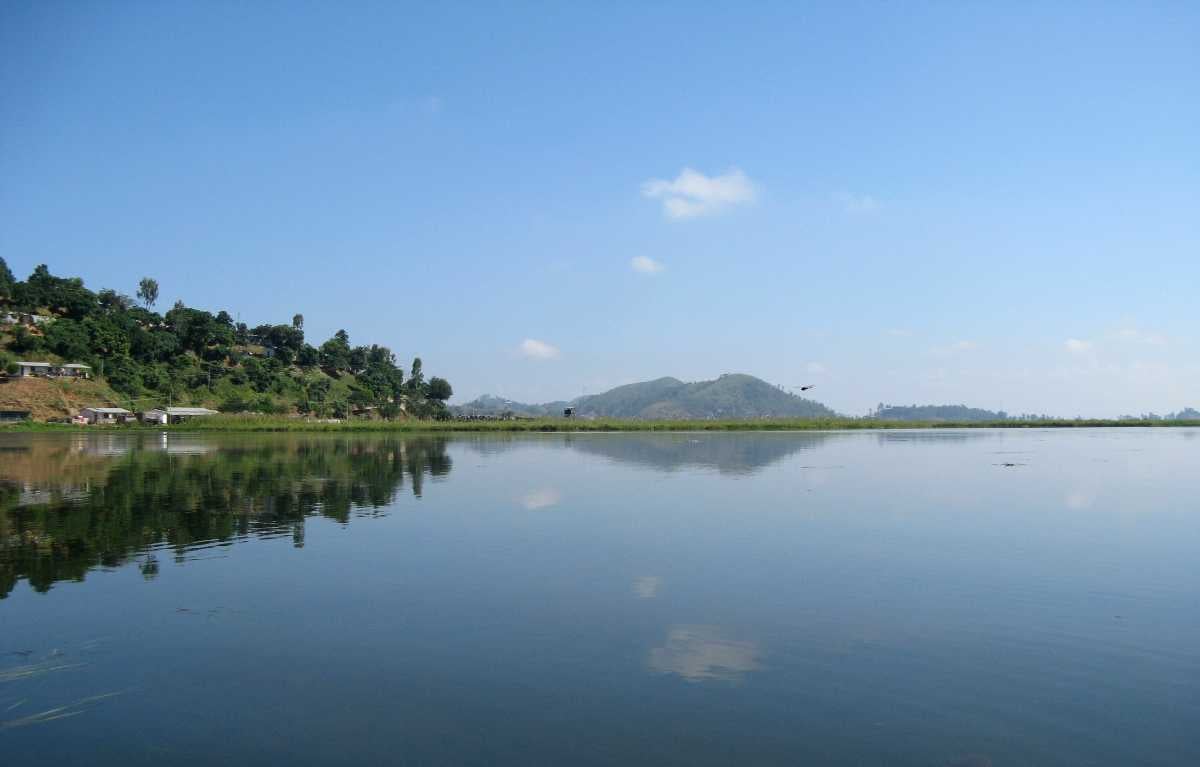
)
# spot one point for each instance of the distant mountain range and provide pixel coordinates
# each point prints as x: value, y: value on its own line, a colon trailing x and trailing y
x: 733, y: 395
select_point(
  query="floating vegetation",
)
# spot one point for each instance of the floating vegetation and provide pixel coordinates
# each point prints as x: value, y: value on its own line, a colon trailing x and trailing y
x: 58, y: 712
x: 28, y: 670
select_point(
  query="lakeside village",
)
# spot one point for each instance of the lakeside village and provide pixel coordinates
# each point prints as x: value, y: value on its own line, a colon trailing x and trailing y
x: 97, y: 415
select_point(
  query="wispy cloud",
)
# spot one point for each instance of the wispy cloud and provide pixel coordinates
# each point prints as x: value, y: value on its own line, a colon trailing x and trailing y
x: 538, y: 350
x: 816, y: 368
x: 958, y: 347
x: 1077, y: 346
x: 1141, y: 337
x: 646, y: 265
x: 856, y: 203
x: 692, y: 194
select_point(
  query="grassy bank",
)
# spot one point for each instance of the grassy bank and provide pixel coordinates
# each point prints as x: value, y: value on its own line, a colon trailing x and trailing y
x: 234, y: 423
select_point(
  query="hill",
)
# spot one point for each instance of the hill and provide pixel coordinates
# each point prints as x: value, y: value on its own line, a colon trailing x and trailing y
x: 732, y: 395
x: 956, y: 413
x: 493, y: 406
x: 141, y: 359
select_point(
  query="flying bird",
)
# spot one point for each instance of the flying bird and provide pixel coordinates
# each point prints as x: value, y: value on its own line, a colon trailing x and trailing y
x: 806, y: 388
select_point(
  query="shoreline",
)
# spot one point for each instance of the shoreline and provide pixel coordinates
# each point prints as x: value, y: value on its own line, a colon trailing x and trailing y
x: 562, y: 425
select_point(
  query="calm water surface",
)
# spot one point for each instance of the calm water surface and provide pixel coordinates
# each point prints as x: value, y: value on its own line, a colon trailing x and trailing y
x: 899, y: 598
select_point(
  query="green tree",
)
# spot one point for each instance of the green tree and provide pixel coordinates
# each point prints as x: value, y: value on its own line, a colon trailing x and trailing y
x: 358, y: 359
x: 112, y: 302
x: 106, y: 338
x: 62, y: 295
x: 7, y: 282
x: 124, y: 375
x: 68, y: 339
x: 416, y: 379
x: 335, y: 353
x: 298, y: 321
x: 148, y: 291
x: 308, y: 356
x: 439, y: 389
x: 23, y: 341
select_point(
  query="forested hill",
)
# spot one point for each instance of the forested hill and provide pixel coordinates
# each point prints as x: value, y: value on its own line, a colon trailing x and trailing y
x: 193, y: 356
x: 729, y: 396
x: 955, y: 413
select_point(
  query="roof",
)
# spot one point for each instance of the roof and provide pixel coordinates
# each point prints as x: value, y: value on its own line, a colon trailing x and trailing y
x: 109, y: 410
x: 76, y: 365
x: 189, y: 411
x: 34, y: 364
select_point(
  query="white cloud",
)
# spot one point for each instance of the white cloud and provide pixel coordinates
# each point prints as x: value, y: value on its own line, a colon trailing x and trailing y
x: 816, y: 368
x: 692, y: 194
x: 1076, y: 346
x: 646, y: 265
x: 538, y: 350
x: 856, y: 203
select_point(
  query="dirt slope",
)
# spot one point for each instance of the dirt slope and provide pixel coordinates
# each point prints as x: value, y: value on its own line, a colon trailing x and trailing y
x: 54, y: 398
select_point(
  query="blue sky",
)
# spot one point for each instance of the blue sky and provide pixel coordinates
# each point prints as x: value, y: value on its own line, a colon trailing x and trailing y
x: 996, y: 204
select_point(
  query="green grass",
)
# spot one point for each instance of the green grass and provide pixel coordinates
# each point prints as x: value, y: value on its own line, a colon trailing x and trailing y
x: 237, y: 423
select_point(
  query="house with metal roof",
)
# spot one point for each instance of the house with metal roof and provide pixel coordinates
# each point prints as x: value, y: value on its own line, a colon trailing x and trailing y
x: 164, y: 415
x: 101, y: 415
x: 74, y: 370
x: 69, y: 370
x: 27, y: 369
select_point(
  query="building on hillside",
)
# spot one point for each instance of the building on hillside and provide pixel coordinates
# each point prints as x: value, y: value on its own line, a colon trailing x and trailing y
x: 24, y: 318
x: 27, y: 369
x: 165, y: 415
x: 46, y: 369
x: 8, y: 416
x: 102, y: 415
x: 74, y: 370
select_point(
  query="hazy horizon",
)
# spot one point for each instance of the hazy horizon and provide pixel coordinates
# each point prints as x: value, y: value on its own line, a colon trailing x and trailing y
x: 994, y: 206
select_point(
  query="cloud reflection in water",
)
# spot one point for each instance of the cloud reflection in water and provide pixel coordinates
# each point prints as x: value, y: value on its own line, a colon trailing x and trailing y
x: 703, y: 653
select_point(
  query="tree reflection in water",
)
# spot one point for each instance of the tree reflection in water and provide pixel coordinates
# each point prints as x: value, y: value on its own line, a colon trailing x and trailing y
x: 68, y: 506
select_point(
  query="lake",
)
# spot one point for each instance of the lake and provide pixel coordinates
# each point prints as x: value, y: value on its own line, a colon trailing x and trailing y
x: 970, y: 598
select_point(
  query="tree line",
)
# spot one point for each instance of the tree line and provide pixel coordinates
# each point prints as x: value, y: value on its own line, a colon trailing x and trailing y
x: 189, y: 354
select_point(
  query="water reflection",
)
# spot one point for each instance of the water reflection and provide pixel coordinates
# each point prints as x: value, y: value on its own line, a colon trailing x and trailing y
x: 542, y: 498
x: 703, y: 653
x: 727, y: 453
x: 935, y: 436
x: 99, y: 500
x: 647, y: 586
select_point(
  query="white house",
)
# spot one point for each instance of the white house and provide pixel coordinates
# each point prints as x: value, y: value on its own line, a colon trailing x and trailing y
x: 74, y: 370
x: 69, y: 370
x: 26, y: 369
x: 165, y: 415
x: 105, y: 414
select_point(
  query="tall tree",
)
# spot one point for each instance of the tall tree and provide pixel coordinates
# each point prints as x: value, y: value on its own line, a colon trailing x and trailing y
x: 6, y: 280
x: 416, y: 379
x: 148, y: 291
x: 298, y: 321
